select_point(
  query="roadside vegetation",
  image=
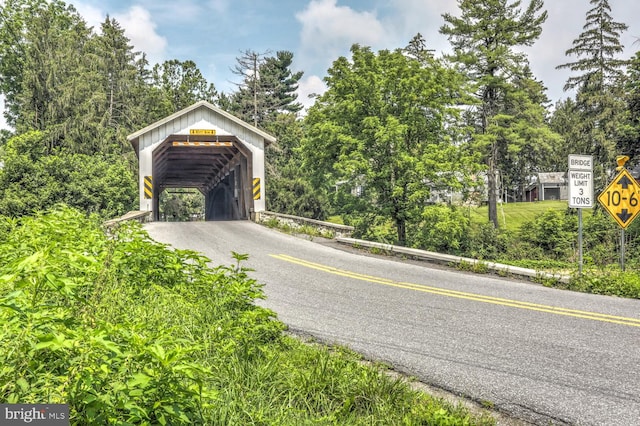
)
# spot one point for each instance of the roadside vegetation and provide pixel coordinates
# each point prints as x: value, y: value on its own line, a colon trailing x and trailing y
x: 539, y: 235
x: 128, y: 331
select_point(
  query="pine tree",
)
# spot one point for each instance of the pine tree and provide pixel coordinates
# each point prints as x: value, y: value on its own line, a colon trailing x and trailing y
x: 599, y: 86
x: 267, y: 89
x: 484, y: 39
x: 181, y: 84
x: 630, y: 140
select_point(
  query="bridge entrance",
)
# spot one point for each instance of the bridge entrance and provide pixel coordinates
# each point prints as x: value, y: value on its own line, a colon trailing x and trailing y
x: 205, y: 148
x: 221, y: 168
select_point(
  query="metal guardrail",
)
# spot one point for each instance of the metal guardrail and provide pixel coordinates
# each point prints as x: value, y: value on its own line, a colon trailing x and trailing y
x: 498, y: 268
x: 140, y: 216
x: 297, y: 221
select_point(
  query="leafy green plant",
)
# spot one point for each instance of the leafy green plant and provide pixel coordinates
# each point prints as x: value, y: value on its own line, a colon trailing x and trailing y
x: 610, y: 281
x: 553, y: 231
x: 478, y: 267
x: 443, y: 228
x: 129, y: 331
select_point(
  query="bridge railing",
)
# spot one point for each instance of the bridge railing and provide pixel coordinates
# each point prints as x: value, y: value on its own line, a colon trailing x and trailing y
x: 298, y: 222
x: 140, y: 216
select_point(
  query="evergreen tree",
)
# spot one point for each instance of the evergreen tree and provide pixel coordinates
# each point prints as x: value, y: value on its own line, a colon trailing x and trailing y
x: 267, y: 89
x: 599, y: 86
x: 566, y: 121
x: 118, y: 74
x: 180, y: 84
x: 53, y: 77
x: 289, y: 189
x: 526, y: 142
x: 247, y: 101
x: 484, y: 39
x: 629, y: 143
x: 280, y: 85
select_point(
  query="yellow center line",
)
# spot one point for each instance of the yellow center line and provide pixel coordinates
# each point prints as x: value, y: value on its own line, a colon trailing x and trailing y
x: 632, y: 322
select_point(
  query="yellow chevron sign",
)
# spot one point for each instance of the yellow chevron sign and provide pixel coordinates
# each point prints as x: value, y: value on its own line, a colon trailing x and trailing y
x: 148, y: 187
x: 620, y: 199
x: 183, y: 143
x: 256, y: 188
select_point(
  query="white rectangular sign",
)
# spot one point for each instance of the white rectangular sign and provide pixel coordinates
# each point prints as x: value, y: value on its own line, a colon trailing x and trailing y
x: 580, y: 162
x: 580, y: 189
x: 580, y: 178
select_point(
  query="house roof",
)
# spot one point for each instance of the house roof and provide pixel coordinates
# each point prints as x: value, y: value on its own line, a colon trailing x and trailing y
x: 552, y: 178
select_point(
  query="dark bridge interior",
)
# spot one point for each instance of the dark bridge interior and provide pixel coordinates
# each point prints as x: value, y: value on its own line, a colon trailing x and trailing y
x: 219, y: 166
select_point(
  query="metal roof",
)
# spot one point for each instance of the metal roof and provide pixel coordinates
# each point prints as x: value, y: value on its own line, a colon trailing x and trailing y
x: 134, y: 137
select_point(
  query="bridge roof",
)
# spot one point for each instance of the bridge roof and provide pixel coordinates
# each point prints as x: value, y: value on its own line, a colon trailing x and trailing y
x: 134, y: 138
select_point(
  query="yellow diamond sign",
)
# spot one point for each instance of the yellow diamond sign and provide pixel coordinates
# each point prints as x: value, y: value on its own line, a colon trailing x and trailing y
x: 621, y: 198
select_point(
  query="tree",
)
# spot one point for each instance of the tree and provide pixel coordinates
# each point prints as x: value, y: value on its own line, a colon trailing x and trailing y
x: 42, y: 86
x: 280, y: 85
x: 526, y: 142
x: 630, y: 140
x: 566, y: 121
x: 181, y: 84
x: 599, y: 86
x: 67, y: 81
x: 118, y: 111
x: 32, y: 180
x: 378, y: 134
x: 267, y: 89
x: 596, y: 48
x: 484, y: 40
x: 248, y: 100
x: 289, y: 189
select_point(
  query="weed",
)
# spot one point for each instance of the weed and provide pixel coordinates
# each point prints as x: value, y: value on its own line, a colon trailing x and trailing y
x: 478, y: 267
x: 129, y: 331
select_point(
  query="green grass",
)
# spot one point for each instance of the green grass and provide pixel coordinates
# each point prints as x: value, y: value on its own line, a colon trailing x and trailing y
x: 336, y: 219
x: 511, y: 216
x: 129, y: 331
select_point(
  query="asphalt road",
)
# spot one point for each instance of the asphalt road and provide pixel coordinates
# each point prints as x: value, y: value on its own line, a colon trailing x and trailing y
x: 543, y: 355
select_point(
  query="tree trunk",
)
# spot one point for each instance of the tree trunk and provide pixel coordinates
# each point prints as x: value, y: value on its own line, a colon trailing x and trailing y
x: 402, y: 231
x: 492, y: 186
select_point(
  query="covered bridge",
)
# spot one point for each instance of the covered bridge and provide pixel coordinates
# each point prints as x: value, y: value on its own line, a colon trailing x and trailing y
x: 206, y: 148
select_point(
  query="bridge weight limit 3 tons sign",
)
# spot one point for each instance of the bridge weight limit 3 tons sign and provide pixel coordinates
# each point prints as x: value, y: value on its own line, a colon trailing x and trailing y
x: 580, y: 191
x: 580, y: 181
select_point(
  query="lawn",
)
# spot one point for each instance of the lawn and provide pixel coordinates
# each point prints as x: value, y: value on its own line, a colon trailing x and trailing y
x: 511, y: 216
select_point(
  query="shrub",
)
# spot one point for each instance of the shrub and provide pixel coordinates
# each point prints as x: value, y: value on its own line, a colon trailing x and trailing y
x: 122, y: 328
x: 553, y: 231
x: 487, y: 242
x: 129, y: 331
x: 610, y: 281
x: 443, y: 228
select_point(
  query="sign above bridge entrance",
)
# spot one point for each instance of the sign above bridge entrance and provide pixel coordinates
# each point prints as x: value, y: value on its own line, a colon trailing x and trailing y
x: 202, y: 132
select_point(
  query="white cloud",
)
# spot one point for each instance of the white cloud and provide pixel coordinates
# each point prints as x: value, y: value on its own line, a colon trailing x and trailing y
x: 93, y: 16
x: 329, y: 30
x: 141, y: 30
x: 312, y: 85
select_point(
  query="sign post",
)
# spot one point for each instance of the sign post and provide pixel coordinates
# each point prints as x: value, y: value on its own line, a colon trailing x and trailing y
x: 621, y: 200
x: 580, y: 191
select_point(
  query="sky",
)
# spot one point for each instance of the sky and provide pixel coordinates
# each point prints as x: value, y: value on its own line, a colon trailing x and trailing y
x: 213, y: 33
